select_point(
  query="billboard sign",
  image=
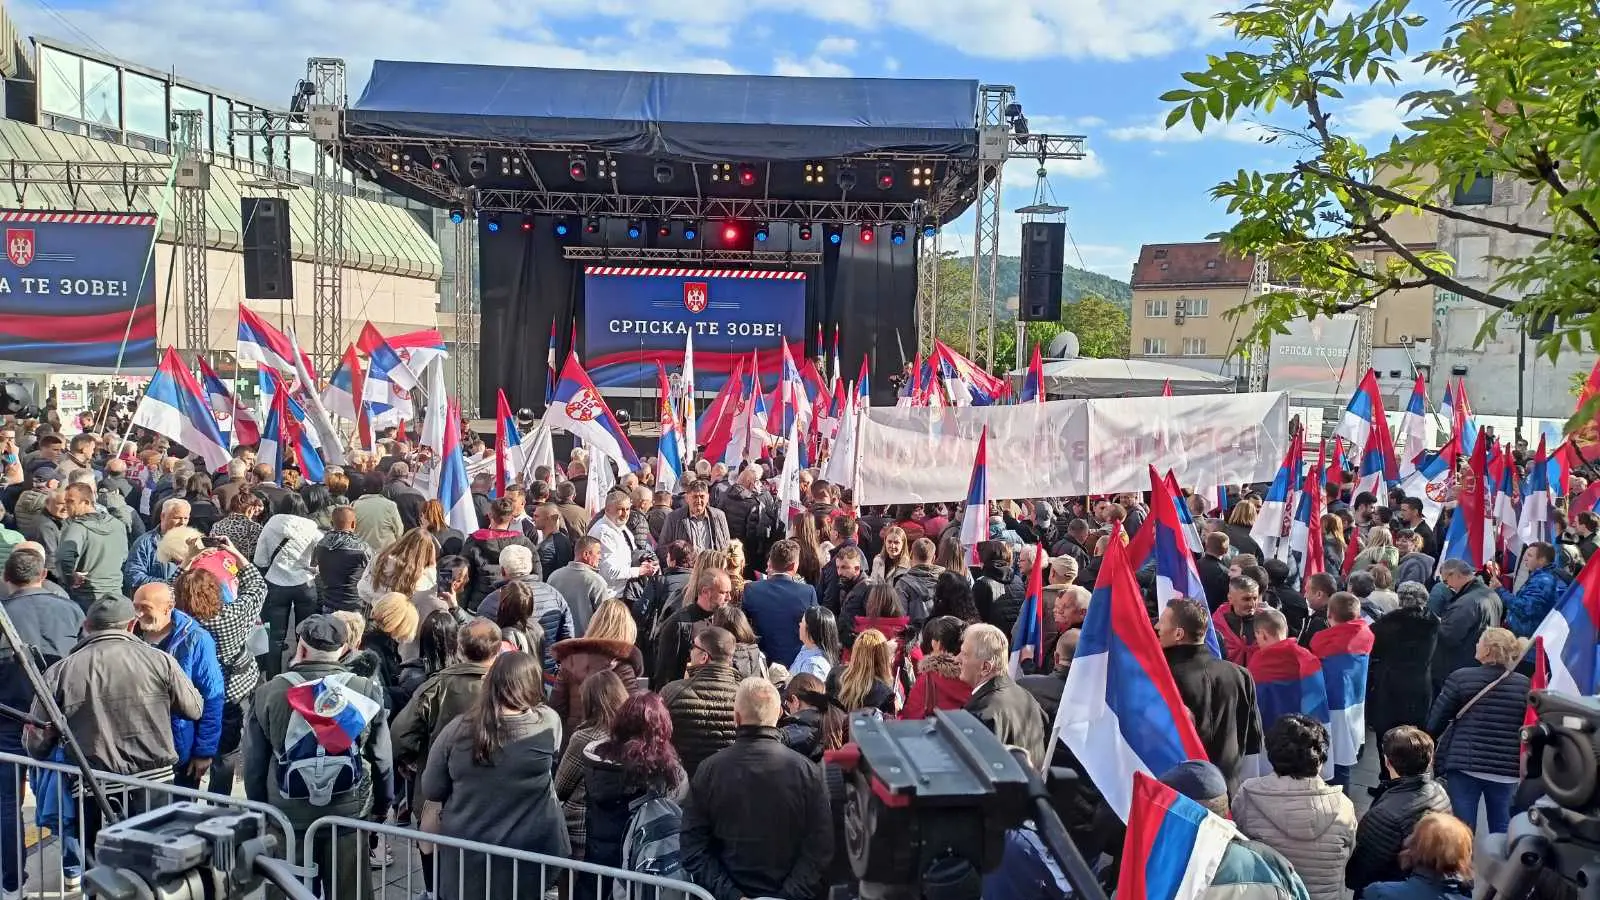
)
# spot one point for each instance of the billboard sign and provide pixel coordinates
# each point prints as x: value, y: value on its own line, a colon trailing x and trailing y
x: 77, y: 292
x: 1317, y: 357
x: 635, y: 317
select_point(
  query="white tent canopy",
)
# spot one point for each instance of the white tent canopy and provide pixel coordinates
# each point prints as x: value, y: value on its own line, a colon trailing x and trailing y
x: 1091, y: 378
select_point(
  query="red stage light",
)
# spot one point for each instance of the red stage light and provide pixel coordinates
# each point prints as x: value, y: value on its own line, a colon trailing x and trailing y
x: 747, y: 175
x: 730, y: 233
x: 867, y: 234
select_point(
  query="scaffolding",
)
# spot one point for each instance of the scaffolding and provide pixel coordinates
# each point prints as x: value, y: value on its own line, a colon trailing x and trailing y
x: 324, y: 89
x: 995, y: 101
x: 192, y: 180
x: 929, y: 259
x: 467, y: 314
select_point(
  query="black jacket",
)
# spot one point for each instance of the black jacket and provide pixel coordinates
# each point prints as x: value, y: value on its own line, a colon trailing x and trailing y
x: 742, y: 508
x: 1315, y: 623
x: 482, y: 551
x: 1396, y: 807
x: 409, y: 500
x: 1293, y: 606
x: 1222, y: 697
x: 828, y: 581
x: 1398, y: 686
x: 47, y: 622
x: 1466, y: 614
x: 341, y: 558
x: 553, y: 552
x: 1013, y: 715
x: 1214, y: 578
x: 672, y: 644
x: 1487, y: 737
x: 916, y: 587
x: 1240, y: 540
x: 998, y: 593
x: 1046, y: 688
x: 738, y: 841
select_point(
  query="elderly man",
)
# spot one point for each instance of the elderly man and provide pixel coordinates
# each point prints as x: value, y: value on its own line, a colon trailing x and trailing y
x: 696, y: 522
x: 618, y: 548
x: 1470, y: 607
x: 998, y: 702
x: 772, y: 842
x: 144, y: 564
x: 177, y: 634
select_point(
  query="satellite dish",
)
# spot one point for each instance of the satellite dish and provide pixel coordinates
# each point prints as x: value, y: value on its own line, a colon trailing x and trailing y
x: 1064, y: 346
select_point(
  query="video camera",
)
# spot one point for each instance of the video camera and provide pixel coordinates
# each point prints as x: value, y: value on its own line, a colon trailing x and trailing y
x: 1554, y: 847
x: 924, y: 808
x: 189, y: 850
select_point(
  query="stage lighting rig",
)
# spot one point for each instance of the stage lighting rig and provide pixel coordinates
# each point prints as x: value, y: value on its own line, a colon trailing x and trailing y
x: 457, y: 215
x: 591, y: 225
x: 897, y: 235
x: 562, y: 227
x: 885, y: 177
x: 491, y: 222
x: 930, y: 231
x: 440, y: 162
x: 635, y: 229
x: 761, y: 233
x: 722, y: 172
x: 804, y: 232
x: 921, y: 176
x: 835, y: 235
x: 399, y: 162
x: 845, y: 178
x: 816, y: 173
x: 608, y: 168
x: 730, y: 233
x: 868, y: 234
x: 664, y: 172
x: 511, y: 165
x: 747, y: 175
x: 691, y: 230
x: 578, y: 167
x: 664, y: 229
x: 303, y: 92
x: 477, y: 166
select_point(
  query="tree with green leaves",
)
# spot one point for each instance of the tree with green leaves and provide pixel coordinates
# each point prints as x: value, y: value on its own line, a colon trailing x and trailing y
x: 1524, y: 109
x: 1101, y: 326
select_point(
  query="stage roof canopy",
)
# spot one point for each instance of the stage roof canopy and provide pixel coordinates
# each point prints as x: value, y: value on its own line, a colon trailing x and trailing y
x: 1106, y: 378
x: 695, y: 118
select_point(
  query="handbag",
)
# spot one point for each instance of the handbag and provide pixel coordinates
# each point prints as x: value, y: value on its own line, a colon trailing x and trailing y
x: 1442, y: 744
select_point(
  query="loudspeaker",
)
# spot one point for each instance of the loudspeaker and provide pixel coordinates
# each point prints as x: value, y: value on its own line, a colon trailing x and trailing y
x: 1044, y: 253
x: 268, y: 269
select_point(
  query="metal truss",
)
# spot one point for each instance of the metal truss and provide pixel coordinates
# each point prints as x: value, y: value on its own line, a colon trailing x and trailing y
x: 325, y: 105
x: 1260, y: 283
x: 140, y: 183
x: 928, y: 260
x: 192, y: 182
x: 993, y: 146
x: 467, y: 315
x: 763, y: 209
x: 665, y: 254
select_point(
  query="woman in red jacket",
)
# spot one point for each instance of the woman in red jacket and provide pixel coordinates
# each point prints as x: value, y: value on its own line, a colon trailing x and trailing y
x: 938, y: 684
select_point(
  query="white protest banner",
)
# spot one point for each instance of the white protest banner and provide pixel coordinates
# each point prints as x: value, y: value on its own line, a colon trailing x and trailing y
x: 1070, y: 447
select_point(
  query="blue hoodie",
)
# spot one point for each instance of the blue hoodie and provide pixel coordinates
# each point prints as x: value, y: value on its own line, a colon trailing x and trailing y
x: 196, y: 652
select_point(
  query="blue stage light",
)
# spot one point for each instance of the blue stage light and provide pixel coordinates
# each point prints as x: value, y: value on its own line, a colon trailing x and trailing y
x: 929, y: 231
x: 492, y: 222
x: 690, y: 231
x: 562, y: 228
x: 761, y: 234
x: 897, y: 235
x: 457, y: 216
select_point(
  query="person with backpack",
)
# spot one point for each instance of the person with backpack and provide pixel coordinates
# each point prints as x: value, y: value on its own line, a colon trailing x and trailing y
x: 308, y: 773
x: 740, y: 842
x: 497, y: 756
x: 634, y: 784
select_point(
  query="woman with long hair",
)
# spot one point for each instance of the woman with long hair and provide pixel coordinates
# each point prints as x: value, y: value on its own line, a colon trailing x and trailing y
x: 1378, y: 548
x: 603, y: 694
x: 436, y: 646
x: 203, y: 509
x: 895, y: 557
x: 514, y: 615
x: 1333, y: 543
x: 938, y: 684
x: 867, y: 680
x: 404, y: 567
x: 952, y: 596
x: 748, y: 660
x: 735, y: 567
x: 394, y: 622
x: 610, y: 644
x: 242, y: 524
x: 811, y: 725
x: 819, y: 643
x: 636, y: 759
x: 803, y: 531
x: 885, y: 612
x: 496, y: 758
x: 199, y: 592
x: 448, y: 540
x: 952, y: 557
x: 1240, y: 520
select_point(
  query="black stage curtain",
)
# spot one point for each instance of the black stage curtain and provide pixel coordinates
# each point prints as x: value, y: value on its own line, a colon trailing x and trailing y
x: 869, y: 289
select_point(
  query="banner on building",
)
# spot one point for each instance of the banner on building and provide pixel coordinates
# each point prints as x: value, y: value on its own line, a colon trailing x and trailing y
x: 635, y: 317
x: 1070, y: 447
x: 76, y: 291
x: 1317, y: 356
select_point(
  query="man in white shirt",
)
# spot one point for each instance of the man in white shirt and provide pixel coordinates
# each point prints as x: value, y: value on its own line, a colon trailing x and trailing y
x: 617, y: 545
x: 284, y: 556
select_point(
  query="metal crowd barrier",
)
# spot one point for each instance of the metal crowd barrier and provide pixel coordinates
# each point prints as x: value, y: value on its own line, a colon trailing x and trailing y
x: 359, y: 860
x: 49, y: 825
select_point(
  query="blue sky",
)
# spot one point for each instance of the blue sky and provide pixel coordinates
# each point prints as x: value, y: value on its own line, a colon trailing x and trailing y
x: 1092, y: 67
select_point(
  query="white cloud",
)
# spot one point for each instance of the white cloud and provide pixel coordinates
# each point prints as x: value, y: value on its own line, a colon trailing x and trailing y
x: 1376, y: 117
x: 811, y: 67
x: 1052, y: 124
x: 836, y: 46
x: 1022, y: 172
x: 715, y: 37
x: 891, y: 65
x: 1155, y: 131
x: 1078, y: 29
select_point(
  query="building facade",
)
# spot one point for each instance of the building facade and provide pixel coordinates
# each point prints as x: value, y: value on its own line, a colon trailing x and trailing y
x: 1181, y: 293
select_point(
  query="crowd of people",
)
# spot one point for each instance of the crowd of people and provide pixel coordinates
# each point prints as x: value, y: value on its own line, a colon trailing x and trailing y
x: 652, y: 686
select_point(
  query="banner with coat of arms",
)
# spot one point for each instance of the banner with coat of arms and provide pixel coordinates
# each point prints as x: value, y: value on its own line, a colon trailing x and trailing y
x: 77, y: 292
x: 636, y: 316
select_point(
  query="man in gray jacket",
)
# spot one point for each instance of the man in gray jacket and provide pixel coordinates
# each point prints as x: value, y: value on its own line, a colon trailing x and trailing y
x: 119, y: 695
x: 93, y: 547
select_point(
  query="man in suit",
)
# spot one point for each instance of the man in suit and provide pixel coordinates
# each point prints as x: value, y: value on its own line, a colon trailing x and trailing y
x: 696, y: 522
x: 776, y: 604
x: 1000, y: 703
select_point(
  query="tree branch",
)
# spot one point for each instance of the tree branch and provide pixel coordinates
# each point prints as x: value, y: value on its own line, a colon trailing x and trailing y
x: 1444, y: 211
x: 1546, y: 168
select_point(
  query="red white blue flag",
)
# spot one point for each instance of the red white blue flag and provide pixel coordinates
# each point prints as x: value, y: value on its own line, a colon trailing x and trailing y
x: 1174, y: 846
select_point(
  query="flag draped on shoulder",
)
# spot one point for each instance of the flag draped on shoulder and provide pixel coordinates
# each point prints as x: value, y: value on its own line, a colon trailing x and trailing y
x: 1345, y: 650
x: 174, y: 408
x: 580, y: 409
x: 1120, y: 711
x: 1571, y: 634
x: 1289, y: 679
x: 1173, y: 847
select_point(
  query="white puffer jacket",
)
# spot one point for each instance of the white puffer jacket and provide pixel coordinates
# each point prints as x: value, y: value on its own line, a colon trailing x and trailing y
x: 1310, y: 822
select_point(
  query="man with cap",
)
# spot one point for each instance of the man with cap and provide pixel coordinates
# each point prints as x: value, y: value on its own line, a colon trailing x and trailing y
x: 119, y: 696
x: 1250, y: 870
x: 341, y: 854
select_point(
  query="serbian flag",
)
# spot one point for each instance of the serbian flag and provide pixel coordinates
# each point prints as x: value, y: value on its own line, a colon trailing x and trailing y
x: 330, y: 716
x: 1539, y: 682
x: 346, y: 389
x: 1305, y: 532
x: 266, y: 345
x: 455, y: 491
x: 863, y: 385
x: 1503, y: 479
x: 1414, y: 425
x: 975, y: 521
x: 1289, y: 679
x: 1335, y: 473
x: 1166, y: 383
x: 1033, y: 384
x: 669, y: 466
x: 507, y: 445
x: 285, y: 439
x: 1571, y: 631
x: 1469, y: 538
x: 1120, y: 711
x: 789, y: 398
x: 1174, y: 845
x: 1028, y: 652
x: 226, y: 410
x: 1461, y: 419
x: 417, y: 349
x: 1171, y: 544
x: 1534, y: 522
x: 580, y: 409
x: 1271, y: 525
x: 1345, y: 650
x: 174, y: 408
x: 716, y: 426
x: 1430, y: 480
